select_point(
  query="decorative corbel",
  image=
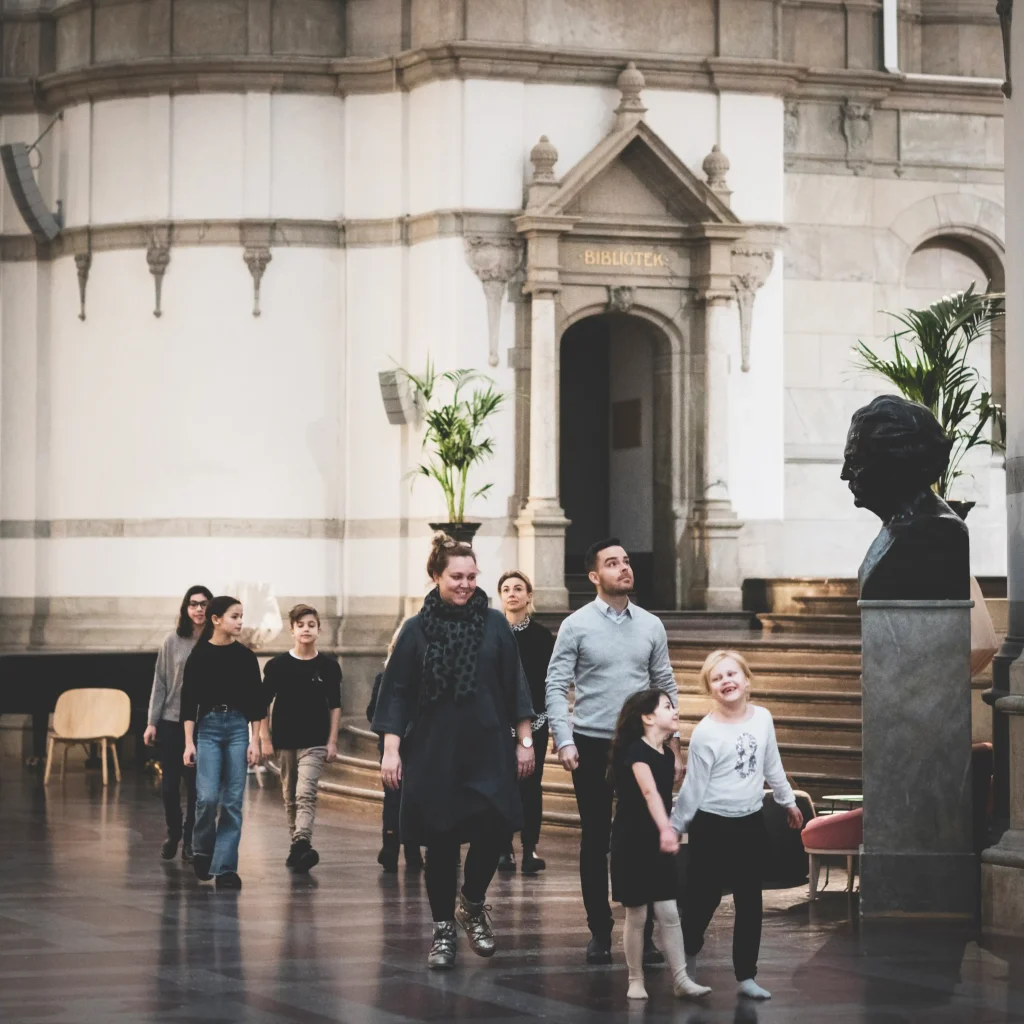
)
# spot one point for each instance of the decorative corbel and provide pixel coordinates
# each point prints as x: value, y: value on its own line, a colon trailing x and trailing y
x: 256, y: 259
x: 856, y: 126
x: 621, y: 298
x: 1004, y: 8
x: 791, y: 129
x: 83, y: 263
x: 158, y: 256
x: 751, y: 265
x: 495, y: 262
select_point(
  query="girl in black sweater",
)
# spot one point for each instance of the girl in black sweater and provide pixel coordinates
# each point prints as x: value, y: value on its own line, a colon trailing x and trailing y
x: 535, y: 646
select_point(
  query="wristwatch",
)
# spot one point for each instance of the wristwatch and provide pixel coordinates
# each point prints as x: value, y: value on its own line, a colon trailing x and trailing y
x: 527, y: 741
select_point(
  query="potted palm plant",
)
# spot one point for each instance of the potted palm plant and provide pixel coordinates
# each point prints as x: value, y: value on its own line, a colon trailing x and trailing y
x: 929, y: 365
x: 454, y: 438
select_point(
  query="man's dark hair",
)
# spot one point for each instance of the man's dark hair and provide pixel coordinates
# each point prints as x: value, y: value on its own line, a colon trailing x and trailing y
x: 590, y: 558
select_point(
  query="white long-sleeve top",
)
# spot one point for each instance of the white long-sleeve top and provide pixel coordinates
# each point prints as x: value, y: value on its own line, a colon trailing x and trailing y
x: 726, y: 769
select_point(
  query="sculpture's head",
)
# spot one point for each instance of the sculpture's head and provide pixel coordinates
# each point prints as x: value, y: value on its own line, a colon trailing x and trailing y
x: 895, y: 450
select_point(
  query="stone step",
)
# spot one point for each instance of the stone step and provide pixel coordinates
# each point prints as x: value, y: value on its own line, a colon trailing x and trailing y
x: 788, y: 703
x: 787, y: 677
x: 811, y: 624
x: 799, y: 729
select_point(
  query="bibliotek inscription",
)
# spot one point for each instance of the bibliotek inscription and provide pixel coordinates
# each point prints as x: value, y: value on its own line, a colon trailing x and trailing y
x: 623, y: 258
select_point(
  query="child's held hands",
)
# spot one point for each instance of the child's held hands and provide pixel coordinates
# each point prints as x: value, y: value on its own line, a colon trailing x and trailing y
x: 795, y: 817
x: 669, y: 840
x: 332, y: 753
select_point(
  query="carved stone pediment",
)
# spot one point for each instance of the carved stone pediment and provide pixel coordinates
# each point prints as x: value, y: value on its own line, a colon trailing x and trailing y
x: 633, y: 172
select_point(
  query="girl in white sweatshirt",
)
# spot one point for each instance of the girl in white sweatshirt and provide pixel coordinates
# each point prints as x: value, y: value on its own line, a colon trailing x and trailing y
x: 732, y: 753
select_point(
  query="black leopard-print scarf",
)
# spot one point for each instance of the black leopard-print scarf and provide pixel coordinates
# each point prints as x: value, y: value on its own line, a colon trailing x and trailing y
x: 454, y: 633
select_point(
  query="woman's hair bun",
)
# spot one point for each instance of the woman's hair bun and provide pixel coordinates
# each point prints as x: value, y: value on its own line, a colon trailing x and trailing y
x: 441, y: 540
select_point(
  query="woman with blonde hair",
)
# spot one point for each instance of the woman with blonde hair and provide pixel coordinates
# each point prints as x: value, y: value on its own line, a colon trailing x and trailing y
x: 451, y: 696
x: 535, y: 644
x: 390, y: 833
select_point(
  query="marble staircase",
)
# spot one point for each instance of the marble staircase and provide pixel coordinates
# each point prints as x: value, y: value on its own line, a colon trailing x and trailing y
x: 810, y: 683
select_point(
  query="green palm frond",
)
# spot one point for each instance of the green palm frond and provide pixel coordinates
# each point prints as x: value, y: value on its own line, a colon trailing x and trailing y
x: 453, y: 430
x: 929, y: 365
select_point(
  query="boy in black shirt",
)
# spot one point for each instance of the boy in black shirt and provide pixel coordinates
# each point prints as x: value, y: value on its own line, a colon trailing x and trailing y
x: 303, y: 727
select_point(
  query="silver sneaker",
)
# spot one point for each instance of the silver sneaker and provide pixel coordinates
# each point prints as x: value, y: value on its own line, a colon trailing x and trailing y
x: 442, y: 950
x: 475, y: 921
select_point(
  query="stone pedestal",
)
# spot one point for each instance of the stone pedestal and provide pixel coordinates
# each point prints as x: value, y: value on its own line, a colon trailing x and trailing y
x: 917, y: 858
x: 541, y: 527
x: 1002, y: 868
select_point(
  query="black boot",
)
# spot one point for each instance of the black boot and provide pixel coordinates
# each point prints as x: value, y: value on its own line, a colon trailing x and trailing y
x: 388, y: 856
x: 302, y: 856
x: 169, y: 849
x: 531, y: 862
x: 507, y: 862
x: 413, y: 857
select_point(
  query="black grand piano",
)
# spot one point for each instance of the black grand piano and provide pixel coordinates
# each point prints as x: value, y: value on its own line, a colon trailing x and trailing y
x: 31, y: 682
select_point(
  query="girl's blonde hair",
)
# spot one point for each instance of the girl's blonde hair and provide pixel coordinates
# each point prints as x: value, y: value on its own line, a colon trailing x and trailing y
x: 714, y: 659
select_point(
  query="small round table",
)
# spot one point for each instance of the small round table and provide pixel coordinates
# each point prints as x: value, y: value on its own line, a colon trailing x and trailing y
x: 847, y: 801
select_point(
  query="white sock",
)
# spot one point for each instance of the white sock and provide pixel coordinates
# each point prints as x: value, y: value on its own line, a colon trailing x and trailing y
x: 752, y: 990
x: 672, y: 946
x: 633, y: 944
x: 691, y: 965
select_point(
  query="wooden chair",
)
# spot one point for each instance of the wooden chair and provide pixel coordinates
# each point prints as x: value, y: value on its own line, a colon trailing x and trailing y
x: 89, y: 716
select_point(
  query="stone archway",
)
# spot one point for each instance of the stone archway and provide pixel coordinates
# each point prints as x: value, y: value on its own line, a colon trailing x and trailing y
x: 630, y: 230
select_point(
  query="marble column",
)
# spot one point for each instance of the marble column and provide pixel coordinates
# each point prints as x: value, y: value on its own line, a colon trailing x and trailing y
x: 918, y: 855
x: 1002, y: 870
x: 715, y: 528
x: 542, y: 522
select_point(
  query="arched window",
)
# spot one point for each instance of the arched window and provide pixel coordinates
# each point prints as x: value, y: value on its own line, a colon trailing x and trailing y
x: 949, y: 263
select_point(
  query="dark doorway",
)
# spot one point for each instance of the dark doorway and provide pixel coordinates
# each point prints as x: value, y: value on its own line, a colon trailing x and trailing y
x: 606, y: 450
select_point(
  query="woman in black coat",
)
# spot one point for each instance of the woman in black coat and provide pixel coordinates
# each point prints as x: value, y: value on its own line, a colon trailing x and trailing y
x: 450, y: 693
x: 535, y: 646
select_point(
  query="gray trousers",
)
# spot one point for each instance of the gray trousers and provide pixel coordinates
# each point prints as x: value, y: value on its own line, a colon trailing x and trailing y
x: 300, y: 772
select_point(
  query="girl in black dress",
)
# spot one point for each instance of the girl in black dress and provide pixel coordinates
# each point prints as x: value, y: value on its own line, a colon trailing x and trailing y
x: 450, y: 693
x: 644, y: 844
x: 535, y: 644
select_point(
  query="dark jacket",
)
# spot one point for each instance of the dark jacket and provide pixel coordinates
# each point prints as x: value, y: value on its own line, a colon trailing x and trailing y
x: 458, y: 759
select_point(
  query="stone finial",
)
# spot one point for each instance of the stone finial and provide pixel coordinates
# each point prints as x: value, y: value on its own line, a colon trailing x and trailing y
x: 631, y: 83
x: 716, y: 168
x: 543, y: 156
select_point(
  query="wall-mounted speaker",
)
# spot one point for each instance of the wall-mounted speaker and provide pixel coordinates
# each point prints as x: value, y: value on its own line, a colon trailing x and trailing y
x: 400, y: 400
x: 22, y: 182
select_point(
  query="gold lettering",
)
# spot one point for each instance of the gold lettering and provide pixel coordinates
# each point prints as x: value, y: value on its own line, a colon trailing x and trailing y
x: 589, y: 257
x: 616, y: 259
x: 622, y: 258
x: 627, y: 259
x: 659, y: 260
x: 606, y: 259
x: 639, y: 259
x: 647, y: 259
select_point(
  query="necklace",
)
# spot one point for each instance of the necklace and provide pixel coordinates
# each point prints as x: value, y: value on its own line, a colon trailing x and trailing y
x: 520, y: 626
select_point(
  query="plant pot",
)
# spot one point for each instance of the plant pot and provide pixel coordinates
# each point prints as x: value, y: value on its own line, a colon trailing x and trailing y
x: 462, y: 532
x: 961, y: 508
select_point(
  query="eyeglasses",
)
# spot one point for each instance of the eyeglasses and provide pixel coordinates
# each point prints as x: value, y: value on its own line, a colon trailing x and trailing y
x: 197, y: 604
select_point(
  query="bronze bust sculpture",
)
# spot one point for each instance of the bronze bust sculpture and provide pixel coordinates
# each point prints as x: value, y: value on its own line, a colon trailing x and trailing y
x: 895, y: 451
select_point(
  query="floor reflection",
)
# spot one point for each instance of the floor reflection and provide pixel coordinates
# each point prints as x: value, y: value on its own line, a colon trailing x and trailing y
x: 94, y: 927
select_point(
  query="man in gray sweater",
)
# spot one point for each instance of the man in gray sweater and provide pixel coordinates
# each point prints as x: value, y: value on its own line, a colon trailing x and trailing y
x: 610, y: 649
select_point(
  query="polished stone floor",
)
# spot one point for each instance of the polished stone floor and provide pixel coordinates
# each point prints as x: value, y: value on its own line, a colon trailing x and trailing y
x: 94, y: 927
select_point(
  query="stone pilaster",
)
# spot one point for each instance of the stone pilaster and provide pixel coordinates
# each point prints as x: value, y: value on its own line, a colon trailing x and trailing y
x: 714, y: 528
x: 542, y: 522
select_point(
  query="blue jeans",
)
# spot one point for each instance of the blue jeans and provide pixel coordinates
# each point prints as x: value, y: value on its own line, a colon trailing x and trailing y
x: 221, y: 770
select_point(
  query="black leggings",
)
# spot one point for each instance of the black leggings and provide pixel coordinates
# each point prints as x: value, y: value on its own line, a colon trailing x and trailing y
x: 725, y: 853
x: 488, y: 833
x: 170, y: 739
